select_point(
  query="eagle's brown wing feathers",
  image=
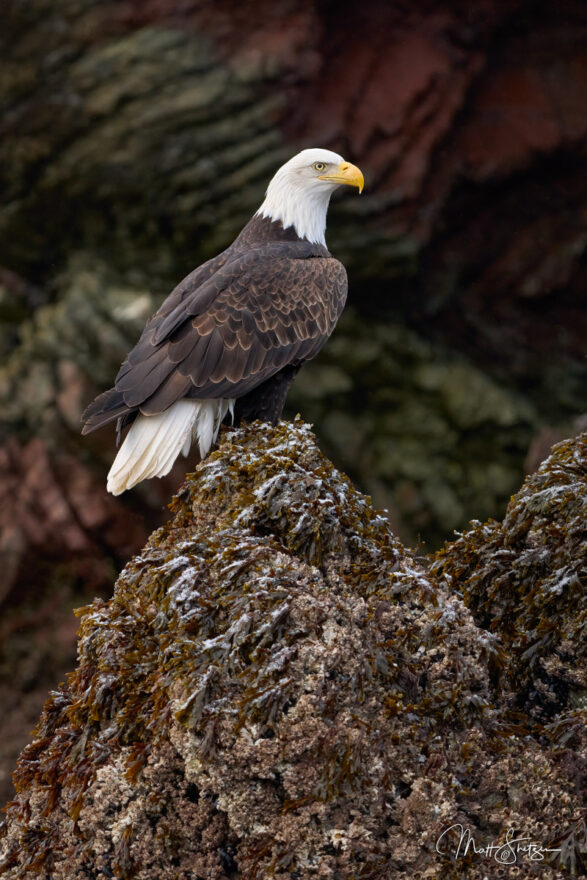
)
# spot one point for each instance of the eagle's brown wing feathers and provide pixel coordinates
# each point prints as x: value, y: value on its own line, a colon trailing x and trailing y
x: 228, y: 327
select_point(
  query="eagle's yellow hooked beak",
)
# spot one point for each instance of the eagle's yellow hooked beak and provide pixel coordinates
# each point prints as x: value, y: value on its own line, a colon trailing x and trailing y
x: 346, y: 173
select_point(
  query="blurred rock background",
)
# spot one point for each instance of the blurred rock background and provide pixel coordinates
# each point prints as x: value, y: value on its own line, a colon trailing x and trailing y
x: 136, y: 138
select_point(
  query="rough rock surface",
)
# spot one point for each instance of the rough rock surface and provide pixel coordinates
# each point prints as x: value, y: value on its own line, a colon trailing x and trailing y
x: 279, y: 689
x: 524, y: 579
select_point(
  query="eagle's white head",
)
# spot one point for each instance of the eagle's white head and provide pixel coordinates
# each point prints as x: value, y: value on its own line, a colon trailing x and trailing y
x: 300, y: 191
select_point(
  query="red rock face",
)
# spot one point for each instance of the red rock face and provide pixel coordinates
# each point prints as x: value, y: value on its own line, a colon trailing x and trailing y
x: 474, y: 125
x: 53, y: 508
x: 61, y: 540
x: 389, y: 88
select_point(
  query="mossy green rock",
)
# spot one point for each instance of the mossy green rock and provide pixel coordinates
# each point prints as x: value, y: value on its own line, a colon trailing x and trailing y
x: 278, y: 689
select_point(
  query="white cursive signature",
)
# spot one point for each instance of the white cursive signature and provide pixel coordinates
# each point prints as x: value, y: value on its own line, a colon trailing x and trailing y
x: 506, y: 853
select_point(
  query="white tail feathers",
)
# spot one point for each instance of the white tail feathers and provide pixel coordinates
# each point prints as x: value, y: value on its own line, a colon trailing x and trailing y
x: 154, y: 442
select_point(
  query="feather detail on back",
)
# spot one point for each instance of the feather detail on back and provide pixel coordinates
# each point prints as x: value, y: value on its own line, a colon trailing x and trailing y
x: 154, y: 442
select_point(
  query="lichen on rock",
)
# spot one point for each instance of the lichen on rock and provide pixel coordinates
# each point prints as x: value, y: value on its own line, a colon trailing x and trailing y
x: 278, y: 689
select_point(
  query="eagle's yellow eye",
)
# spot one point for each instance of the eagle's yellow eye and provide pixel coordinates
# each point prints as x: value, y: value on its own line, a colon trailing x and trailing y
x: 319, y: 166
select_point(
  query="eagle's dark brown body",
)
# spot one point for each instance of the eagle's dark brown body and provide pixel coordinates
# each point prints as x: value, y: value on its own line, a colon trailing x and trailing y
x: 239, y: 327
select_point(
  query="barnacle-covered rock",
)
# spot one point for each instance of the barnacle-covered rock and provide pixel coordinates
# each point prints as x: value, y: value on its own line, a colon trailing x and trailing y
x: 525, y: 580
x: 277, y: 689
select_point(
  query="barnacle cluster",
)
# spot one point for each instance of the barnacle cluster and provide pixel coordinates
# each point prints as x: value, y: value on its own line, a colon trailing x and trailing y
x: 526, y: 580
x: 278, y: 689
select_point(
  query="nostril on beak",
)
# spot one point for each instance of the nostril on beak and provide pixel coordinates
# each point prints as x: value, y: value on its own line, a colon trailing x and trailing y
x: 344, y: 166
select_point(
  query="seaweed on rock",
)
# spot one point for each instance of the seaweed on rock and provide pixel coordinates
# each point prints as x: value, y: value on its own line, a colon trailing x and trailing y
x: 526, y: 579
x: 278, y: 689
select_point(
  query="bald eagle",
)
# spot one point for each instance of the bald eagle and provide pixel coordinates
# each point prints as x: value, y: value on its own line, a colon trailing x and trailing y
x: 232, y: 335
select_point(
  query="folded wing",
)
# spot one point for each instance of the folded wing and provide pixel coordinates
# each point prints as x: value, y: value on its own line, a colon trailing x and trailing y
x: 228, y: 327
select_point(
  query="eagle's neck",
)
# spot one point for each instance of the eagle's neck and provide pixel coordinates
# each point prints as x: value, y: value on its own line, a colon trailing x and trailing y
x: 303, y: 208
